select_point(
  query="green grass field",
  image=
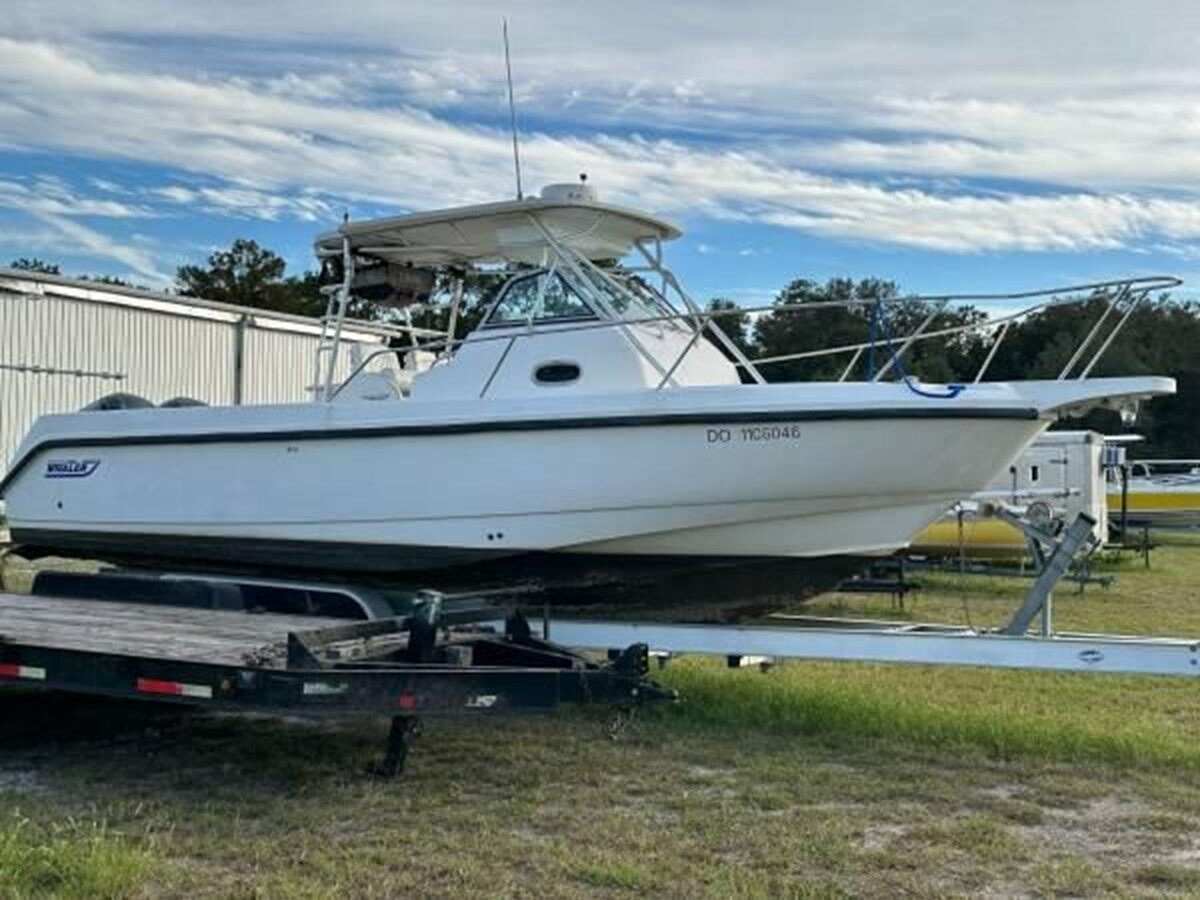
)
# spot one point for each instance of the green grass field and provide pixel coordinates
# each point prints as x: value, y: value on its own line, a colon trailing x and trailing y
x: 812, y: 779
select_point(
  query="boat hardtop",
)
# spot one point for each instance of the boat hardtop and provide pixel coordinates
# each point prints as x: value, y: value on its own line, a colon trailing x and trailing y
x: 502, y: 232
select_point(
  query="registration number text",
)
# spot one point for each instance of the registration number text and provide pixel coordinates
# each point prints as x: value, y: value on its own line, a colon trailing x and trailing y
x: 753, y: 434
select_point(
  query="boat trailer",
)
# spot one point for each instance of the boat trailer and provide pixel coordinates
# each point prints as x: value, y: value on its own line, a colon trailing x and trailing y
x: 1012, y: 646
x: 262, y: 645
x: 434, y: 660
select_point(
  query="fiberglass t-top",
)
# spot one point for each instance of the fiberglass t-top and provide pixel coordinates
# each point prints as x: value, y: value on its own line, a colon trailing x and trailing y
x: 605, y: 323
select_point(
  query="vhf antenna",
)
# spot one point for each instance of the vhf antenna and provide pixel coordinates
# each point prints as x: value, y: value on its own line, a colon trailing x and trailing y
x: 512, y: 112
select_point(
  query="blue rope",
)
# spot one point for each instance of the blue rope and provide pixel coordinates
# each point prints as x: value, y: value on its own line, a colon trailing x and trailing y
x: 878, y: 322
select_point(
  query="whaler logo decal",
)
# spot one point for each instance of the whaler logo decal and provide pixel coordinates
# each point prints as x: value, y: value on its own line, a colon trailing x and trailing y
x: 71, y: 468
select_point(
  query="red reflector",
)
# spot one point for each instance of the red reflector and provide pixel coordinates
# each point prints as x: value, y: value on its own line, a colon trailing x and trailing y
x: 151, y: 686
x: 407, y: 701
x: 16, y: 670
x: 174, y: 688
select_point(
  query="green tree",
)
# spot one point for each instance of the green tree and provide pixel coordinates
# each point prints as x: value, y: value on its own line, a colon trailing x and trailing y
x: 1160, y: 338
x: 109, y: 279
x: 790, y: 329
x: 952, y: 358
x: 35, y: 265
x: 115, y: 281
x: 249, y: 275
x: 480, y: 289
x: 735, y: 324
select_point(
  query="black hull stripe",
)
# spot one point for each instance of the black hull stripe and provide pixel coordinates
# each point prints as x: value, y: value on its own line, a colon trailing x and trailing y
x: 518, y: 425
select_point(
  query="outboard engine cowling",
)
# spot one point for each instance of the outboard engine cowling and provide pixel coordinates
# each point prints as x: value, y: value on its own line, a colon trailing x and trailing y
x: 118, y: 401
x: 180, y: 402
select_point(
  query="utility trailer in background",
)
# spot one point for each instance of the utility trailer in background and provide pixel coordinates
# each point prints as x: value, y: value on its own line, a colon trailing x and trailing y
x: 434, y: 660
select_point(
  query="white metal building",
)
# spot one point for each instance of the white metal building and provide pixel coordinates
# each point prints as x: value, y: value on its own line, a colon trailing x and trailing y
x: 65, y: 343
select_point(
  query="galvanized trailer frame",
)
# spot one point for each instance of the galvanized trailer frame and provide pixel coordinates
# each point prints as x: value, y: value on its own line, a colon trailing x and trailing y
x: 1011, y: 646
x: 854, y: 640
x: 403, y: 667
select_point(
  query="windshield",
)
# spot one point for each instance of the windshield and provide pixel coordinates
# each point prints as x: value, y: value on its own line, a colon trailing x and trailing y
x: 630, y: 297
x: 540, y: 297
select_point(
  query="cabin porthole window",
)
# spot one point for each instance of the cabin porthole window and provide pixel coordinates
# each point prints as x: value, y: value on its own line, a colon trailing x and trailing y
x: 556, y: 372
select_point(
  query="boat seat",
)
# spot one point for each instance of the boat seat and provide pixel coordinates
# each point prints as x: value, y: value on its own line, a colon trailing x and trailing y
x: 384, y: 384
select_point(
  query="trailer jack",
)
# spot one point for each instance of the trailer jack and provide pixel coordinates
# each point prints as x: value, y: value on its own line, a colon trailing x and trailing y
x: 399, y: 741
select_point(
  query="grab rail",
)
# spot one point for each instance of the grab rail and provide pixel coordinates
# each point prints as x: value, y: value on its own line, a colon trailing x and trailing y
x: 1127, y: 292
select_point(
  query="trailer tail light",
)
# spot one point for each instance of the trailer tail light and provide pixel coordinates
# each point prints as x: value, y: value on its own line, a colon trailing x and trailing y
x: 174, y: 688
x: 26, y: 673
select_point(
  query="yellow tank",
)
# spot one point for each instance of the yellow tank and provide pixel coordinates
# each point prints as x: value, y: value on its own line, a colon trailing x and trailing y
x: 977, y: 538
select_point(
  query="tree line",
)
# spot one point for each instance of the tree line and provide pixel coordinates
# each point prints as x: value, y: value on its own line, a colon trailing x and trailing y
x: 1162, y: 337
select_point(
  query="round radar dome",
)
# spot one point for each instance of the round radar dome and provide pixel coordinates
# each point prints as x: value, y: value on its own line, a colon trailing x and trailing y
x: 570, y: 191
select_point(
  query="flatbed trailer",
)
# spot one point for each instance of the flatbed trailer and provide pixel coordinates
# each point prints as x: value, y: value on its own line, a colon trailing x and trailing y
x: 402, y: 667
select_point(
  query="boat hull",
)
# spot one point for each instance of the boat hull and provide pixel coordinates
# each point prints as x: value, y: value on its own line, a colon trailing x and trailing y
x: 743, y: 509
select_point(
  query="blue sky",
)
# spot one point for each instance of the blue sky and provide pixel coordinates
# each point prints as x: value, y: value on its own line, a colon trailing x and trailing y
x: 957, y: 146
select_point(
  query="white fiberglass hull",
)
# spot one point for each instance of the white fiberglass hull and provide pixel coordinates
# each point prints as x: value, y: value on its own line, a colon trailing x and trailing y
x: 754, y: 472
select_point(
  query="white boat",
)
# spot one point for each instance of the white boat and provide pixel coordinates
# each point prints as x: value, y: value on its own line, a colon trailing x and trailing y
x: 588, y: 436
x: 1155, y: 493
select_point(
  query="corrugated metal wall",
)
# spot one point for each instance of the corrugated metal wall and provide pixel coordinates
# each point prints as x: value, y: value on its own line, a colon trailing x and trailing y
x: 58, y: 353
x: 279, y: 366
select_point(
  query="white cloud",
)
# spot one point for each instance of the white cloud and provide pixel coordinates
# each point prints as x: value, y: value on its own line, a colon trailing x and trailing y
x: 771, y: 51
x: 103, y: 184
x: 832, y: 119
x: 50, y: 201
x: 80, y: 240
x: 174, y: 193
x: 95, y: 243
x: 51, y: 196
x: 247, y: 202
x: 1128, y: 142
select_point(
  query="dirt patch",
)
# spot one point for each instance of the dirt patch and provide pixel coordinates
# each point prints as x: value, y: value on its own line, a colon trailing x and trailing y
x: 1107, y: 831
x: 881, y: 836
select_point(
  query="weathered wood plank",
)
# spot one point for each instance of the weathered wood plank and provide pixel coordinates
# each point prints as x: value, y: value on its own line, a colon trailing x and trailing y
x: 198, y: 635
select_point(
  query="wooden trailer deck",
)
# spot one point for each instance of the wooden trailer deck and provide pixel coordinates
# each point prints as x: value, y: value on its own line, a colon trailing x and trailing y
x: 402, y: 666
x: 228, y: 637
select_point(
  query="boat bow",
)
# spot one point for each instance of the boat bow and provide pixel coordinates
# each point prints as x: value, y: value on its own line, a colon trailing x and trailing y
x: 1078, y: 396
